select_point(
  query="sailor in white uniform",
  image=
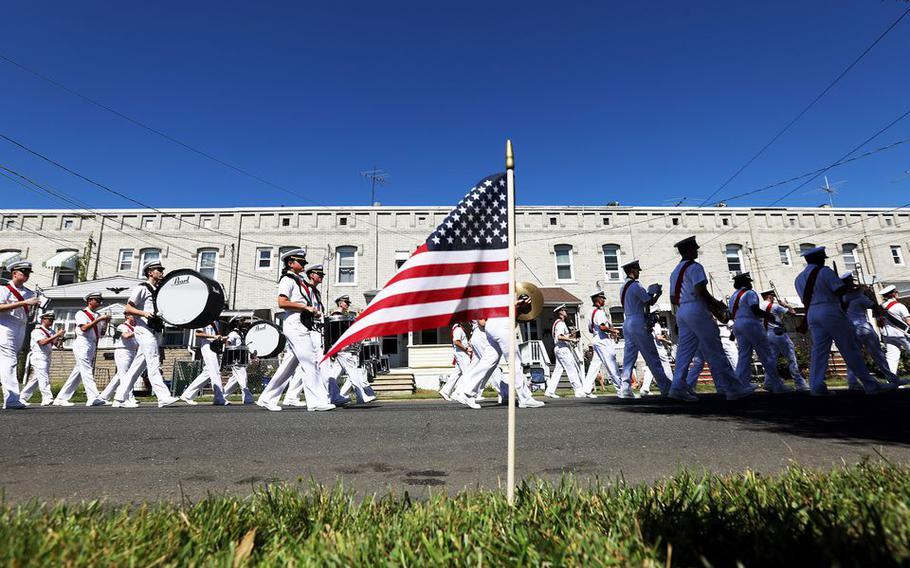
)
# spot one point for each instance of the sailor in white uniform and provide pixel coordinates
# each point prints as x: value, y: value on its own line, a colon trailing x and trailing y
x: 126, y: 349
x: 16, y: 305
x: 697, y: 327
x: 90, y: 326
x: 603, y: 344
x: 43, y: 341
x: 778, y: 338
x: 857, y: 303
x: 821, y: 291
x: 636, y: 302
x: 147, y: 328
x: 463, y: 352
x: 211, y: 366
x: 749, y: 329
x: 731, y: 352
x: 563, y: 347
x: 480, y: 343
x: 662, y: 344
x: 895, y: 336
x: 348, y: 360
x: 233, y: 343
x: 300, y: 316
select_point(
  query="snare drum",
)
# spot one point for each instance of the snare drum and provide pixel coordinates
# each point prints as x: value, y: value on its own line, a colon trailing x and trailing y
x: 237, y: 357
x: 186, y: 299
x: 264, y: 339
x: 334, y: 327
x: 370, y: 352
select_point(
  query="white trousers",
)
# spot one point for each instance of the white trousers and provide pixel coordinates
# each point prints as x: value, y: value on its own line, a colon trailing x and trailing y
x: 349, y: 363
x: 301, y: 354
x: 565, y: 360
x: 894, y: 344
x: 239, y: 380
x: 828, y: 324
x: 84, y: 371
x: 462, y: 364
x: 146, y: 360
x: 123, y: 358
x: 698, y: 333
x: 604, y: 358
x: 640, y: 340
x: 664, y: 364
x: 866, y: 336
x: 498, y: 333
x: 211, y: 373
x: 751, y: 336
x: 782, y: 346
x: 11, y: 338
x: 40, y: 380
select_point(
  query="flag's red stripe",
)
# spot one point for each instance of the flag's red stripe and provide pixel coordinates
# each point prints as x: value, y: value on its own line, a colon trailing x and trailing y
x: 415, y: 324
x: 449, y: 269
x: 427, y: 296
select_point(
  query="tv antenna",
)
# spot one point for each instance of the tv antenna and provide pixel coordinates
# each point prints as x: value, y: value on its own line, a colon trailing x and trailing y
x: 675, y: 201
x: 375, y: 176
x: 831, y: 191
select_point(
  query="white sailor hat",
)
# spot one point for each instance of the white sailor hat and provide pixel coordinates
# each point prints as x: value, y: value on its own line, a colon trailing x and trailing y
x: 90, y: 295
x: 687, y: 241
x: 150, y: 265
x: 888, y: 289
x: 766, y: 292
x: 316, y: 268
x: 20, y: 265
x: 630, y: 265
x: 48, y: 315
x: 813, y: 251
x: 846, y: 275
x: 344, y: 298
x: 559, y: 307
x: 599, y: 293
x: 298, y: 254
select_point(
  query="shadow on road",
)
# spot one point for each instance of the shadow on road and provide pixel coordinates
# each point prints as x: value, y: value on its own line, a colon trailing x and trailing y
x: 846, y: 416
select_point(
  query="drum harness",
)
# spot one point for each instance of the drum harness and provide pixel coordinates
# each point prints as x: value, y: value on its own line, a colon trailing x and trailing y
x: 308, y: 320
x: 155, y: 323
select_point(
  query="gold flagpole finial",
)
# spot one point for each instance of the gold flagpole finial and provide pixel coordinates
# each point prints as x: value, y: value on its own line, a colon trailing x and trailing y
x: 510, y: 157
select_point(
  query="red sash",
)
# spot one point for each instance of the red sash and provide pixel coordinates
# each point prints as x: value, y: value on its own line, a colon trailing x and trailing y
x: 91, y: 318
x: 46, y: 333
x: 677, y: 289
x: 128, y: 326
x: 891, y: 304
x: 591, y: 325
x: 810, y: 288
x: 736, y: 302
x: 622, y: 295
x: 768, y: 309
x: 18, y: 297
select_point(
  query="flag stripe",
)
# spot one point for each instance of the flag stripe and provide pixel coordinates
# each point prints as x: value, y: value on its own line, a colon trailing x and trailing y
x: 402, y: 291
x: 449, y: 270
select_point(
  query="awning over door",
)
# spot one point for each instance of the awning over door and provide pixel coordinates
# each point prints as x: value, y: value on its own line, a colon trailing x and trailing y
x: 64, y: 259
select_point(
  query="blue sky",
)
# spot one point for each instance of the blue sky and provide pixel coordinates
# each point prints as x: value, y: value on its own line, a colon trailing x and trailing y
x: 640, y: 102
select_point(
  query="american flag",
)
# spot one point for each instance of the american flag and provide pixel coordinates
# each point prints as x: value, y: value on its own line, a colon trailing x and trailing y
x: 459, y: 273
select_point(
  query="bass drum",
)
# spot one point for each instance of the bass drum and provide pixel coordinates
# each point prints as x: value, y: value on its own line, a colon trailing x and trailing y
x: 186, y: 299
x: 264, y: 339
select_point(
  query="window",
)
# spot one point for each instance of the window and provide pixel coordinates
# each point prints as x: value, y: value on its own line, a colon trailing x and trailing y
x: 803, y: 247
x: 64, y: 275
x: 285, y: 221
x: 563, y: 262
x: 206, y: 222
x: 792, y: 221
x: 347, y: 265
x: 263, y: 258
x: 734, y: 259
x: 889, y: 221
x: 785, y: 257
x: 343, y: 221
x: 66, y: 319
x: 896, y: 255
x: 126, y: 260
x: 850, y: 256
x: 148, y: 223
x: 552, y: 221
x: 69, y: 223
x: 612, y: 260
x: 148, y: 255
x: 725, y: 222
x: 606, y: 221
x: 9, y: 223
x: 207, y: 262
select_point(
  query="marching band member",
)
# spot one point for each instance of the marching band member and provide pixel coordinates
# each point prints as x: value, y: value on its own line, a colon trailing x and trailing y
x: 748, y: 319
x: 563, y: 344
x: 697, y: 327
x: 662, y: 344
x: 778, y: 339
x: 603, y: 344
x: 330, y: 370
x: 821, y: 291
x: 463, y: 354
x: 125, y: 350
x: 147, y: 328
x: 349, y: 361
x: 480, y: 343
x: 211, y: 367
x: 43, y: 341
x: 300, y: 315
x: 16, y: 303
x: 90, y: 326
x: 857, y: 302
x: 895, y: 338
x: 239, y: 377
x: 636, y: 302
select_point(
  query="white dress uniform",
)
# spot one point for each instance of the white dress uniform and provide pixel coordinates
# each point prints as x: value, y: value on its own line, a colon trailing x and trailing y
x: 604, y: 352
x: 828, y: 323
x: 301, y: 353
x: 780, y: 342
x: 40, y: 363
x: 147, y: 358
x: 238, y: 372
x: 462, y: 362
x: 211, y: 369
x: 751, y: 336
x: 731, y: 352
x: 480, y: 343
x: 85, y: 347
x: 857, y: 305
x: 125, y: 351
x: 635, y: 301
x: 12, y: 337
x: 896, y: 340
x: 698, y: 332
x: 348, y: 361
x: 662, y: 354
x: 565, y: 360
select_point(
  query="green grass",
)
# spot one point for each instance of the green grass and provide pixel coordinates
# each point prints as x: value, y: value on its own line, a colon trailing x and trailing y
x: 852, y: 516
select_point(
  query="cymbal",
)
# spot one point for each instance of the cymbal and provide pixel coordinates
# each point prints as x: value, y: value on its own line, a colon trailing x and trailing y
x: 536, y: 299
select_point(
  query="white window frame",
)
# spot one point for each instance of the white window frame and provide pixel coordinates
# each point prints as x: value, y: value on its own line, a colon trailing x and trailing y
x: 66, y: 318
x: 202, y: 253
x: 854, y: 253
x: 897, y: 255
x: 148, y: 223
x: 785, y: 255
x: 144, y: 256
x: 612, y: 275
x: 206, y: 222
x: 345, y: 250
x: 125, y: 264
x: 59, y: 271
x: 263, y: 253
x: 570, y: 249
x: 738, y: 249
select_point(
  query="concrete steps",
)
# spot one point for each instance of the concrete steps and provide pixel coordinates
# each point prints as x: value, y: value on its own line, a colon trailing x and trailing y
x: 393, y: 384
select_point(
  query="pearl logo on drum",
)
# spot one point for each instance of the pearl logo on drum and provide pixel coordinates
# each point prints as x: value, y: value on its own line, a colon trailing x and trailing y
x: 180, y: 281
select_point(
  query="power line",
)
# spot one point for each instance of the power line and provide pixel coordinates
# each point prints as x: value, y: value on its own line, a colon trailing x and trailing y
x: 809, y: 106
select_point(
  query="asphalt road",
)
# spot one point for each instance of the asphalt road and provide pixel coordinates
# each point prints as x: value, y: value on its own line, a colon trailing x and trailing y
x: 417, y: 446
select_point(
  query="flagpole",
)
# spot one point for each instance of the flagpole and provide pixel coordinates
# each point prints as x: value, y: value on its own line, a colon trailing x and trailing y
x: 510, y: 188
